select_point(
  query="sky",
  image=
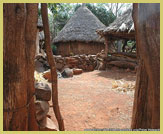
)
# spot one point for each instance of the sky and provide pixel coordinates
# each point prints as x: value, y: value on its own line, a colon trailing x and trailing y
x: 124, y: 7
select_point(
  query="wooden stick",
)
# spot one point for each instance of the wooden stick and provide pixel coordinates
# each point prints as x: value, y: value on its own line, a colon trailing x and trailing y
x: 52, y: 65
x: 106, y: 47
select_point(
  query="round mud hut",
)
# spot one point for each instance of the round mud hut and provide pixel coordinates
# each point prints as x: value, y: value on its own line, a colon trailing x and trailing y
x: 121, y: 29
x: 79, y: 35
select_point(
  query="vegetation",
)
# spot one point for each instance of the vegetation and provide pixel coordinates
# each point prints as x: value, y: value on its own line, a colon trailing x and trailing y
x: 61, y: 13
x: 101, y: 12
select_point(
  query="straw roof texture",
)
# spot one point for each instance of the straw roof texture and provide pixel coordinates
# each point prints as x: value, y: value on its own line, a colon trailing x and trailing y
x: 122, y: 27
x: 82, y: 27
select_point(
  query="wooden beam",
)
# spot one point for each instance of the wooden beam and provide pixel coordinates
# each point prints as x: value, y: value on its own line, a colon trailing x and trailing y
x: 106, y: 46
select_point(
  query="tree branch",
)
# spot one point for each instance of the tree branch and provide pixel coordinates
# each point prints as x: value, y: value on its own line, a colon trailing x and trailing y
x: 52, y: 65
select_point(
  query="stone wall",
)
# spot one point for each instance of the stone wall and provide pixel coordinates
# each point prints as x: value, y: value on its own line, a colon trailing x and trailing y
x: 84, y: 62
x: 88, y: 62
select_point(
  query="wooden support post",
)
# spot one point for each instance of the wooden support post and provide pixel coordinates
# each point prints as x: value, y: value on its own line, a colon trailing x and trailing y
x: 19, y: 36
x: 52, y: 65
x: 106, y: 46
x: 119, y: 43
x: 146, y: 109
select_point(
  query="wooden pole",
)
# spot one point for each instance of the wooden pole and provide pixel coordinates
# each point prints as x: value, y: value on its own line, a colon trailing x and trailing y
x: 52, y: 65
x: 146, y: 109
x: 106, y: 46
x: 30, y: 40
x: 20, y: 27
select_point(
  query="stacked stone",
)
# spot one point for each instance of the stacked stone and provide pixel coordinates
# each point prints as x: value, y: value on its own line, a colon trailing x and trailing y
x: 60, y: 62
x: 43, y: 95
x: 84, y: 62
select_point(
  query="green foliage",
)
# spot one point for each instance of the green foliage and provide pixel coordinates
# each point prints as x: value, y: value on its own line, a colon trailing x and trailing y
x: 131, y: 43
x: 61, y: 13
x: 100, y: 11
x: 39, y: 12
x: 54, y: 49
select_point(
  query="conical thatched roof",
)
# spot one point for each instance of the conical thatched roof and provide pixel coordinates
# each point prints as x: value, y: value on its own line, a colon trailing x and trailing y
x: 82, y: 26
x: 122, y: 27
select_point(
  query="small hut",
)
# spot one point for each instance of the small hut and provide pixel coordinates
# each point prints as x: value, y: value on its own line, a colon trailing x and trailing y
x: 79, y: 35
x: 121, y: 29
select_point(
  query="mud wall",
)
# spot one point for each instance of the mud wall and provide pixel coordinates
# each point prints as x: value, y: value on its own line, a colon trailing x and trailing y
x: 74, y: 48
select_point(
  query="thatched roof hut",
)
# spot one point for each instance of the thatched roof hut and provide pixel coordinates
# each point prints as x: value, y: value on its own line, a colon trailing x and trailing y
x: 81, y: 28
x: 121, y: 28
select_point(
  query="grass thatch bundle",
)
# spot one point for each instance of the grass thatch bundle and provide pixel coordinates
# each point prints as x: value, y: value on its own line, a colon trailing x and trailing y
x: 122, y: 27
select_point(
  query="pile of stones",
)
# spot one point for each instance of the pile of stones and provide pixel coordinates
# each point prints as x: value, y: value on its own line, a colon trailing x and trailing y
x: 43, y: 96
x: 69, y: 66
x: 84, y: 62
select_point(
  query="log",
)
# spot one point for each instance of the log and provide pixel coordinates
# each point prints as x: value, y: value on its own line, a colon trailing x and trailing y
x: 123, y: 54
x: 117, y: 58
x: 123, y: 64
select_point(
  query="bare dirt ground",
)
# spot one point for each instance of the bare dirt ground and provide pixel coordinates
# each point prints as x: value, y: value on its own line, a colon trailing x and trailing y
x: 88, y: 101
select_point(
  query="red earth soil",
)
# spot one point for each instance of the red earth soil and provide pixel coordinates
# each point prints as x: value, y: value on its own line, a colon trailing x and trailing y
x: 87, y: 101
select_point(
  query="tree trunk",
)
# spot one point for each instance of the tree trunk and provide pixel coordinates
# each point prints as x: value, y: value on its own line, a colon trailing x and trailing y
x: 146, y: 110
x: 19, y: 35
x: 30, y: 51
x: 52, y: 67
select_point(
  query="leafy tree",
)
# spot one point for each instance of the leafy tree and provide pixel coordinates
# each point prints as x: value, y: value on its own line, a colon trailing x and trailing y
x: 117, y: 8
x: 100, y: 11
x: 61, y: 13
